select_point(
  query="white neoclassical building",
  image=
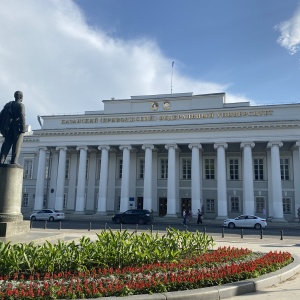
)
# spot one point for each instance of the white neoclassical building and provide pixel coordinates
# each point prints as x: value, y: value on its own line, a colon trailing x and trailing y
x: 166, y: 153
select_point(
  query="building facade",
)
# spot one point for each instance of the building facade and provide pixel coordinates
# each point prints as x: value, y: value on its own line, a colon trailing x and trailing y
x: 167, y: 153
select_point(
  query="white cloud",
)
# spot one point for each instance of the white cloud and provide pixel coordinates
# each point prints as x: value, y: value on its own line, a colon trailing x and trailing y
x: 290, y: 33
x: 230, y: 98
x: 62, y: 65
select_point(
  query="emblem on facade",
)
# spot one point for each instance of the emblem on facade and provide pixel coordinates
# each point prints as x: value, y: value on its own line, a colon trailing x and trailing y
x: 154, y: 105
x: 167, y: 105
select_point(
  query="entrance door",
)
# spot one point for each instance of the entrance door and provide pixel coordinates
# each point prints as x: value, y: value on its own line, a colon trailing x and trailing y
x: 162, y: 206
x: 140, y: 203
x: 185, y: 204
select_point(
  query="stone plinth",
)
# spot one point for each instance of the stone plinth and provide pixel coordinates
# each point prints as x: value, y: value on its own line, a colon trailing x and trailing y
x: 11, y: 219
x: 14, y: 228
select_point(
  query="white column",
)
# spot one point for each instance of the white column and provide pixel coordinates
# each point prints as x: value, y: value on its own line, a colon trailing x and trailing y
x: 124, y: 204
x: 72, y: 181
x: 171, y: 196
x: 103, y: 180
x: 61, y: 177
x: 248, y: 188
x: 196, y: 178
x: 296, y: 167
x: 148, y: 177
x: 91, y: 182
x: 276, y: 181
x: 80, y: 198
x: 40, y: 179
x: 221, y: 180
x: 51, y: 193
x: 269, y: 201
x: 112, y: 203
x: 201, y: 170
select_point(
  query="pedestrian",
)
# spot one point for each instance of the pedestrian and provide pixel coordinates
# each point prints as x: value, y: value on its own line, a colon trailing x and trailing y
x: 299, y: 214
x: 199, y: 219
x: 190, y: 216
x: 184, y: 217
x: 264, y: 213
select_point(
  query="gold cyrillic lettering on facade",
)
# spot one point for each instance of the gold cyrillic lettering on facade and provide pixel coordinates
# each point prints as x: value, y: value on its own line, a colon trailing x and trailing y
x: 210, y: 115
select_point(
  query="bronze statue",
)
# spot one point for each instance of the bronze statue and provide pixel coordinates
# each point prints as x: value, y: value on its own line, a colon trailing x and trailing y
x: 14, y: 128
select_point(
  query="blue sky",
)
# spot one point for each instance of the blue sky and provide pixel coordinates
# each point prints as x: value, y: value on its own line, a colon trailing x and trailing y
x: 69, y: 55
x: 233, y: 42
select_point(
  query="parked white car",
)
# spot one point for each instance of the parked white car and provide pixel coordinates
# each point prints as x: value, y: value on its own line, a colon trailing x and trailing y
x: 246, y: 221
x: 48, y: 214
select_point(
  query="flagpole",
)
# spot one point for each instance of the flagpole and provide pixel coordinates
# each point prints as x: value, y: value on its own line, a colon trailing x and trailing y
x: 172, y: 77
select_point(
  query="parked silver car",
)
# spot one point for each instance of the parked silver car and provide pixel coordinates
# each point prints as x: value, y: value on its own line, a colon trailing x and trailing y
x: 246, y: 221
x: 48, y: 214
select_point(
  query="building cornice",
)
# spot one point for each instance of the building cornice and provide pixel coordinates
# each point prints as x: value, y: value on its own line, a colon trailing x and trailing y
x: 167, y: 129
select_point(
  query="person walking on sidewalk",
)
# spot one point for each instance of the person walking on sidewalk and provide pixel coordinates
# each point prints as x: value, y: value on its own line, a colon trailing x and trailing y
x: 298, y: 213
x: 184, y: 217
x: 264, y: 213
x: 190, y: 216
x: 199, y: 219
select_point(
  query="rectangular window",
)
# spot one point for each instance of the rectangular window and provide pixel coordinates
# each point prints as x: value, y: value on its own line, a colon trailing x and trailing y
x: 209, y: 168
x: 233, y: 169
x: 96, y: 201
x: 164, y: 168
x: 87, y: 169
x: 284, y: 169
x: 98, y: 169
x: 210, y: 205
x: 259, y: 204
x: 119, y: 203
x: 120, y: 168
x: 287, y: 204
x: 67, y: 170
x: 186, y: 167
x: 234, y: 204
x: 258, y: 169
x: 141, y: 167
x: 45, y: 201
x: 65, y: 201
x: 28, y: 166
x: 25, y: 199
x: 47, y: 168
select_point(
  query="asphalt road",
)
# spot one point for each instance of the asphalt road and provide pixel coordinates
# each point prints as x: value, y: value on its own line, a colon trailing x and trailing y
x: 211, y: 229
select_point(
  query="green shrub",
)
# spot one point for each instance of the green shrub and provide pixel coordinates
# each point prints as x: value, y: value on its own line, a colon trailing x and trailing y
x: 111, y: 249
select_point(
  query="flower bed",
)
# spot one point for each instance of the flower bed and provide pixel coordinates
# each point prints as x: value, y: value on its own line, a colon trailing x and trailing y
x: 123, y: 263
x: 217, y: 267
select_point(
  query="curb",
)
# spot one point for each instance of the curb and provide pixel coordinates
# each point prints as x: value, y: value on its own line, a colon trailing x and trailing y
x: 227, y: 290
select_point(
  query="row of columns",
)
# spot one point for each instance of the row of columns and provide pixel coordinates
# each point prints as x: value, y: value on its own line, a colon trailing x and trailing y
x: 196, y: 188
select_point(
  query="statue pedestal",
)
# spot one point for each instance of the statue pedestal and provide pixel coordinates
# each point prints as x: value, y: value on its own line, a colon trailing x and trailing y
x: 11, y: 219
